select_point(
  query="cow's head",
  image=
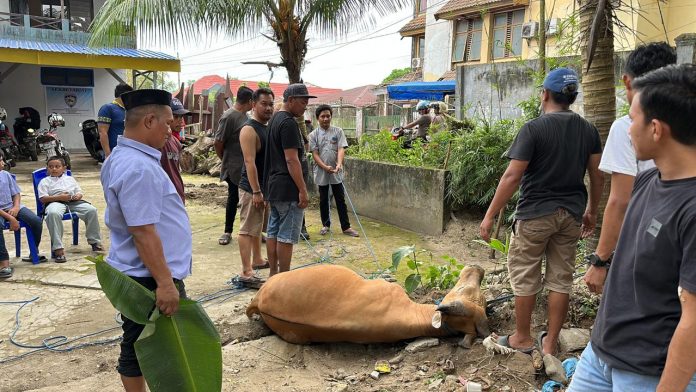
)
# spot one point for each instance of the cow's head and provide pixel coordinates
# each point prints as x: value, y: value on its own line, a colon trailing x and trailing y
x: 464, y: 308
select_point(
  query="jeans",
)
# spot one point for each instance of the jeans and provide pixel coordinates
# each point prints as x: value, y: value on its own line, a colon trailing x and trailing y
x: 285, y: 222
x: 325, y: 205
x: 232, y: 202
x: 84, y: 211
x: 594, y: 375
x: 30, y: 219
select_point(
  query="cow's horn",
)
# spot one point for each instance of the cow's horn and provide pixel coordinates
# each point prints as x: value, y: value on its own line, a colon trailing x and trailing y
x: 456, y: 308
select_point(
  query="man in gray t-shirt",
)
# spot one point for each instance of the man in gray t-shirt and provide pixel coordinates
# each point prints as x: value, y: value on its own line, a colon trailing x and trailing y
x: 328, y: 144
x: 644, y: 337
x: 229, y: 150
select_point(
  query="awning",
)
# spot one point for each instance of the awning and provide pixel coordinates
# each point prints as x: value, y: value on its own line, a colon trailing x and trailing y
x: 74, y: 55
x: 433, y: 91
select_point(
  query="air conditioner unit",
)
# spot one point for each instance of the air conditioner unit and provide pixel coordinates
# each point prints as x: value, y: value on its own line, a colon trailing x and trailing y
x: 530, y: 29
x: 416, y: 63
x: 553, y: 26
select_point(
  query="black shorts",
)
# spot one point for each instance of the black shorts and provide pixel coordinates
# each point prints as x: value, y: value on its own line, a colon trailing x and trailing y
x: 127, y: 361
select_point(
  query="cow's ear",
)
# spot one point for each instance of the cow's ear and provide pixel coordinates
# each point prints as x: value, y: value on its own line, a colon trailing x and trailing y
x: 437, y: 319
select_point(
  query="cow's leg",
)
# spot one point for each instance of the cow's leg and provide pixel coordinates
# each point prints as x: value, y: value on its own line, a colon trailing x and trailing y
x: 467, y: 341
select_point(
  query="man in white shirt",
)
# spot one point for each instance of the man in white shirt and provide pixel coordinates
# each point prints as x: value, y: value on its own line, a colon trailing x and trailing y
x: 619, y: 160
x: 61, y: 193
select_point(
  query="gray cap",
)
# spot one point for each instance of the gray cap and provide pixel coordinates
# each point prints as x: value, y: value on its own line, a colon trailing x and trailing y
x: 297, y: 90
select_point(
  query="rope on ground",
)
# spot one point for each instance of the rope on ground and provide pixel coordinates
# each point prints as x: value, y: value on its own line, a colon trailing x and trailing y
x: 362, y: 229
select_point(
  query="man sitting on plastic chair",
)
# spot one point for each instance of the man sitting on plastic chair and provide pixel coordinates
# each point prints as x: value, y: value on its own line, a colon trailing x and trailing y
x: 12, y: 211
x: 61, y: 193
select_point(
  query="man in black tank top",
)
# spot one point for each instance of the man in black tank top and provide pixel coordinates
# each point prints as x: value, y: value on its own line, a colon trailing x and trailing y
x: 253, y: 207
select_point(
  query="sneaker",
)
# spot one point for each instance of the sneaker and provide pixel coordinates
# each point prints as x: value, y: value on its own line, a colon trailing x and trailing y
x: 6, y: 272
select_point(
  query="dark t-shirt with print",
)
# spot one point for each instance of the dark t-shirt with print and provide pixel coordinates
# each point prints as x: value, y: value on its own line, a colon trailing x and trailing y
x: 283, y: 134
x: 656, y: 253
x: 558, y: 147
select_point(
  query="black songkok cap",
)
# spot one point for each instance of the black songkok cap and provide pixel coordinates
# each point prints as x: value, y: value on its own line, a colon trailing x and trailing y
x: 135, y: 98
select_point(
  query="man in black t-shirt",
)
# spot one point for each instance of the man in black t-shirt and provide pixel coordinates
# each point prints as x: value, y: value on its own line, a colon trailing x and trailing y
x: 548, y: 160
x: 285, y: 188
x: 644, y: 337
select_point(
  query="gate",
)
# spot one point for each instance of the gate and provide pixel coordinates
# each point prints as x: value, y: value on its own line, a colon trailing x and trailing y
x: 380, y: 116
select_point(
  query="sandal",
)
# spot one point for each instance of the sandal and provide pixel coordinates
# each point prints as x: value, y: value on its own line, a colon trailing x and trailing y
x: 540, y: 341
x: 42, y: 259
x: 261, y: 266
x: 350, y: 232
x: 97, y: 248
x: 505, y: 342
x: 253, y: 282
x: 225, y: 239
x: 324, y: 231
x: 60, y: 259
x: 6, y: 272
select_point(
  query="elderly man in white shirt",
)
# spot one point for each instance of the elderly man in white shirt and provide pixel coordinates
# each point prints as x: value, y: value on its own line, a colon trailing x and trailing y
x: 61, y: 193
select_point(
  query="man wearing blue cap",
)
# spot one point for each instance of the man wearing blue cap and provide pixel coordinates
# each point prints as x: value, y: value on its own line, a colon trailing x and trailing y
x: 548, y: 161
x: 149, y: 227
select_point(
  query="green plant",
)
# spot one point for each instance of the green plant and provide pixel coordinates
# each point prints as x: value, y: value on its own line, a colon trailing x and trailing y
x: 396, y: 73
x: 502, y: 247
x: 187, y: 340
x: 442, y: 276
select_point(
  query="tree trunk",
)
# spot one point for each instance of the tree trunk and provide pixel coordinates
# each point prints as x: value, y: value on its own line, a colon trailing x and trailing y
x: 291, y: 40
x: 542, y: 37
x: 598, y: 85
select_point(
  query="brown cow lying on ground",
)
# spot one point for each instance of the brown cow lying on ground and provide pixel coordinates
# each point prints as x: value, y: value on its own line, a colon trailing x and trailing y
x: 330, y: 303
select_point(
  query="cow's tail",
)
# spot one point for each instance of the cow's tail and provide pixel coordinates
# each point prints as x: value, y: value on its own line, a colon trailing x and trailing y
x: 253, y: 307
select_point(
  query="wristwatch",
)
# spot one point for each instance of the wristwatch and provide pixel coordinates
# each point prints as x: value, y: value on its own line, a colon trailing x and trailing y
x: 594, y: 260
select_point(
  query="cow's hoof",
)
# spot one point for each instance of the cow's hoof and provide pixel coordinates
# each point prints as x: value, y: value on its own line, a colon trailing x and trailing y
x: 467, y: 341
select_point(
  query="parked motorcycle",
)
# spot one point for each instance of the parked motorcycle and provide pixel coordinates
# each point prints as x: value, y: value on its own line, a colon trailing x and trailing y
x: 90, y: 133
x: 25, y: 135
x: 408, y: 136
x: 7, y: 142
x: 49, y: 142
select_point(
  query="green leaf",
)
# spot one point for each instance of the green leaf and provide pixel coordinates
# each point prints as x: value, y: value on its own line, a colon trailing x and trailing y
x: 182, y: 352
x: 482, y: 242
x: 400, y: 253
x: 497, y: 245
x: 126, y: 295
x: 412, y: 281
x: 412, y: 264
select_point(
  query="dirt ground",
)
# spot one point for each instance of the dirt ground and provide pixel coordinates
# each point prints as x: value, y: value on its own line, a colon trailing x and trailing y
x: 70, y: 305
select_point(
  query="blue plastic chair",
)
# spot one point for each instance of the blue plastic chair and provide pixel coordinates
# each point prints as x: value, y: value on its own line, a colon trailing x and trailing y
x: 36, y: 177
x: 33, y: 251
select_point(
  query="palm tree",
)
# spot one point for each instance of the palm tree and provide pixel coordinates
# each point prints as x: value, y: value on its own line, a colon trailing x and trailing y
x: 598, y: 84
x: 290, y: 20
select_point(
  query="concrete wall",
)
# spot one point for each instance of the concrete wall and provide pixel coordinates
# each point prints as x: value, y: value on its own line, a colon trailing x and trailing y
x: 23, y: 88
x: 407, y: 197
x: 438, y: 44
x: 493, y: 91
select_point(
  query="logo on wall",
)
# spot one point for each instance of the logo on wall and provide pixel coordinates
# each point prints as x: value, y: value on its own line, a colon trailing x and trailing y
x: 70, y: 100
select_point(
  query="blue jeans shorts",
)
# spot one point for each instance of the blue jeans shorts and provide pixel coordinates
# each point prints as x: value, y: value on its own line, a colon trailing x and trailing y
x: 594, y: 375
x: 285, y: 222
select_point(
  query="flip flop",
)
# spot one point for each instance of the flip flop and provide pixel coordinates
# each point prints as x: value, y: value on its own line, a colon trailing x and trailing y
x: 539, y: 341
x: 261, y: 266
x: 324, y: 231
x: 225, y: 239
x: 351, y: 233
x: 505, y: 342
x: 60, y: 259
x: 253, y: 282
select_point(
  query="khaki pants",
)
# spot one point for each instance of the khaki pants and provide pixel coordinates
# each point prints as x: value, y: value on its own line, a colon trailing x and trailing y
x: 554, y: 236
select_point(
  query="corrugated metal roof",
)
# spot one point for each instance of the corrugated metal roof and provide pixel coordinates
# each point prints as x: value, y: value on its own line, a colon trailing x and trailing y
x: 453, y: 7
x: 82, y: 49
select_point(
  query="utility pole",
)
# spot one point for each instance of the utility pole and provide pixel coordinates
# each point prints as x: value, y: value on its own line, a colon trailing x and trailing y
x: 542, y: 37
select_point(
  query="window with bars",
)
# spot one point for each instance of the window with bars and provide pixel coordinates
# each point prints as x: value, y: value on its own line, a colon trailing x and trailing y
x: 507, y: 34
x: 467, y: 40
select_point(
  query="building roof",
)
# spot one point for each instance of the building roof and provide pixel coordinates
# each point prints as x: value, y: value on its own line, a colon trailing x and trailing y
x: 358, y: 97
x: 415, y: 26
x: 76, y: 55
x: 413, y: 76
x: 207, y: 82
x: 457, y: 7
x: 449, y: 75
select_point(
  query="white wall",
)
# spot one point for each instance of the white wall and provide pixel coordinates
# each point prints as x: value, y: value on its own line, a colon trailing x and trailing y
x: 23, y: 88
x: 4, y: 5
x: 438, y: 44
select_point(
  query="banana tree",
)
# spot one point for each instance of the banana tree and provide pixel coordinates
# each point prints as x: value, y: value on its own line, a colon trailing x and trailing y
x: 177, y: 353
x: 289, y: 20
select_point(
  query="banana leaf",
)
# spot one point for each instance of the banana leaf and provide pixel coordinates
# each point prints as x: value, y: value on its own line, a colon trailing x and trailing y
x: 126, y: 295
x: 178, y: 353
x: 181, y: 352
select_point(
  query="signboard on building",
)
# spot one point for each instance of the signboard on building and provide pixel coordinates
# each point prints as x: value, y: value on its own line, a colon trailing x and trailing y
x: 70, y: 101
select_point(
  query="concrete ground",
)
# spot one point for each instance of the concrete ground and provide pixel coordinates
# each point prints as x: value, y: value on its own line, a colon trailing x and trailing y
x: 69, y: 302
